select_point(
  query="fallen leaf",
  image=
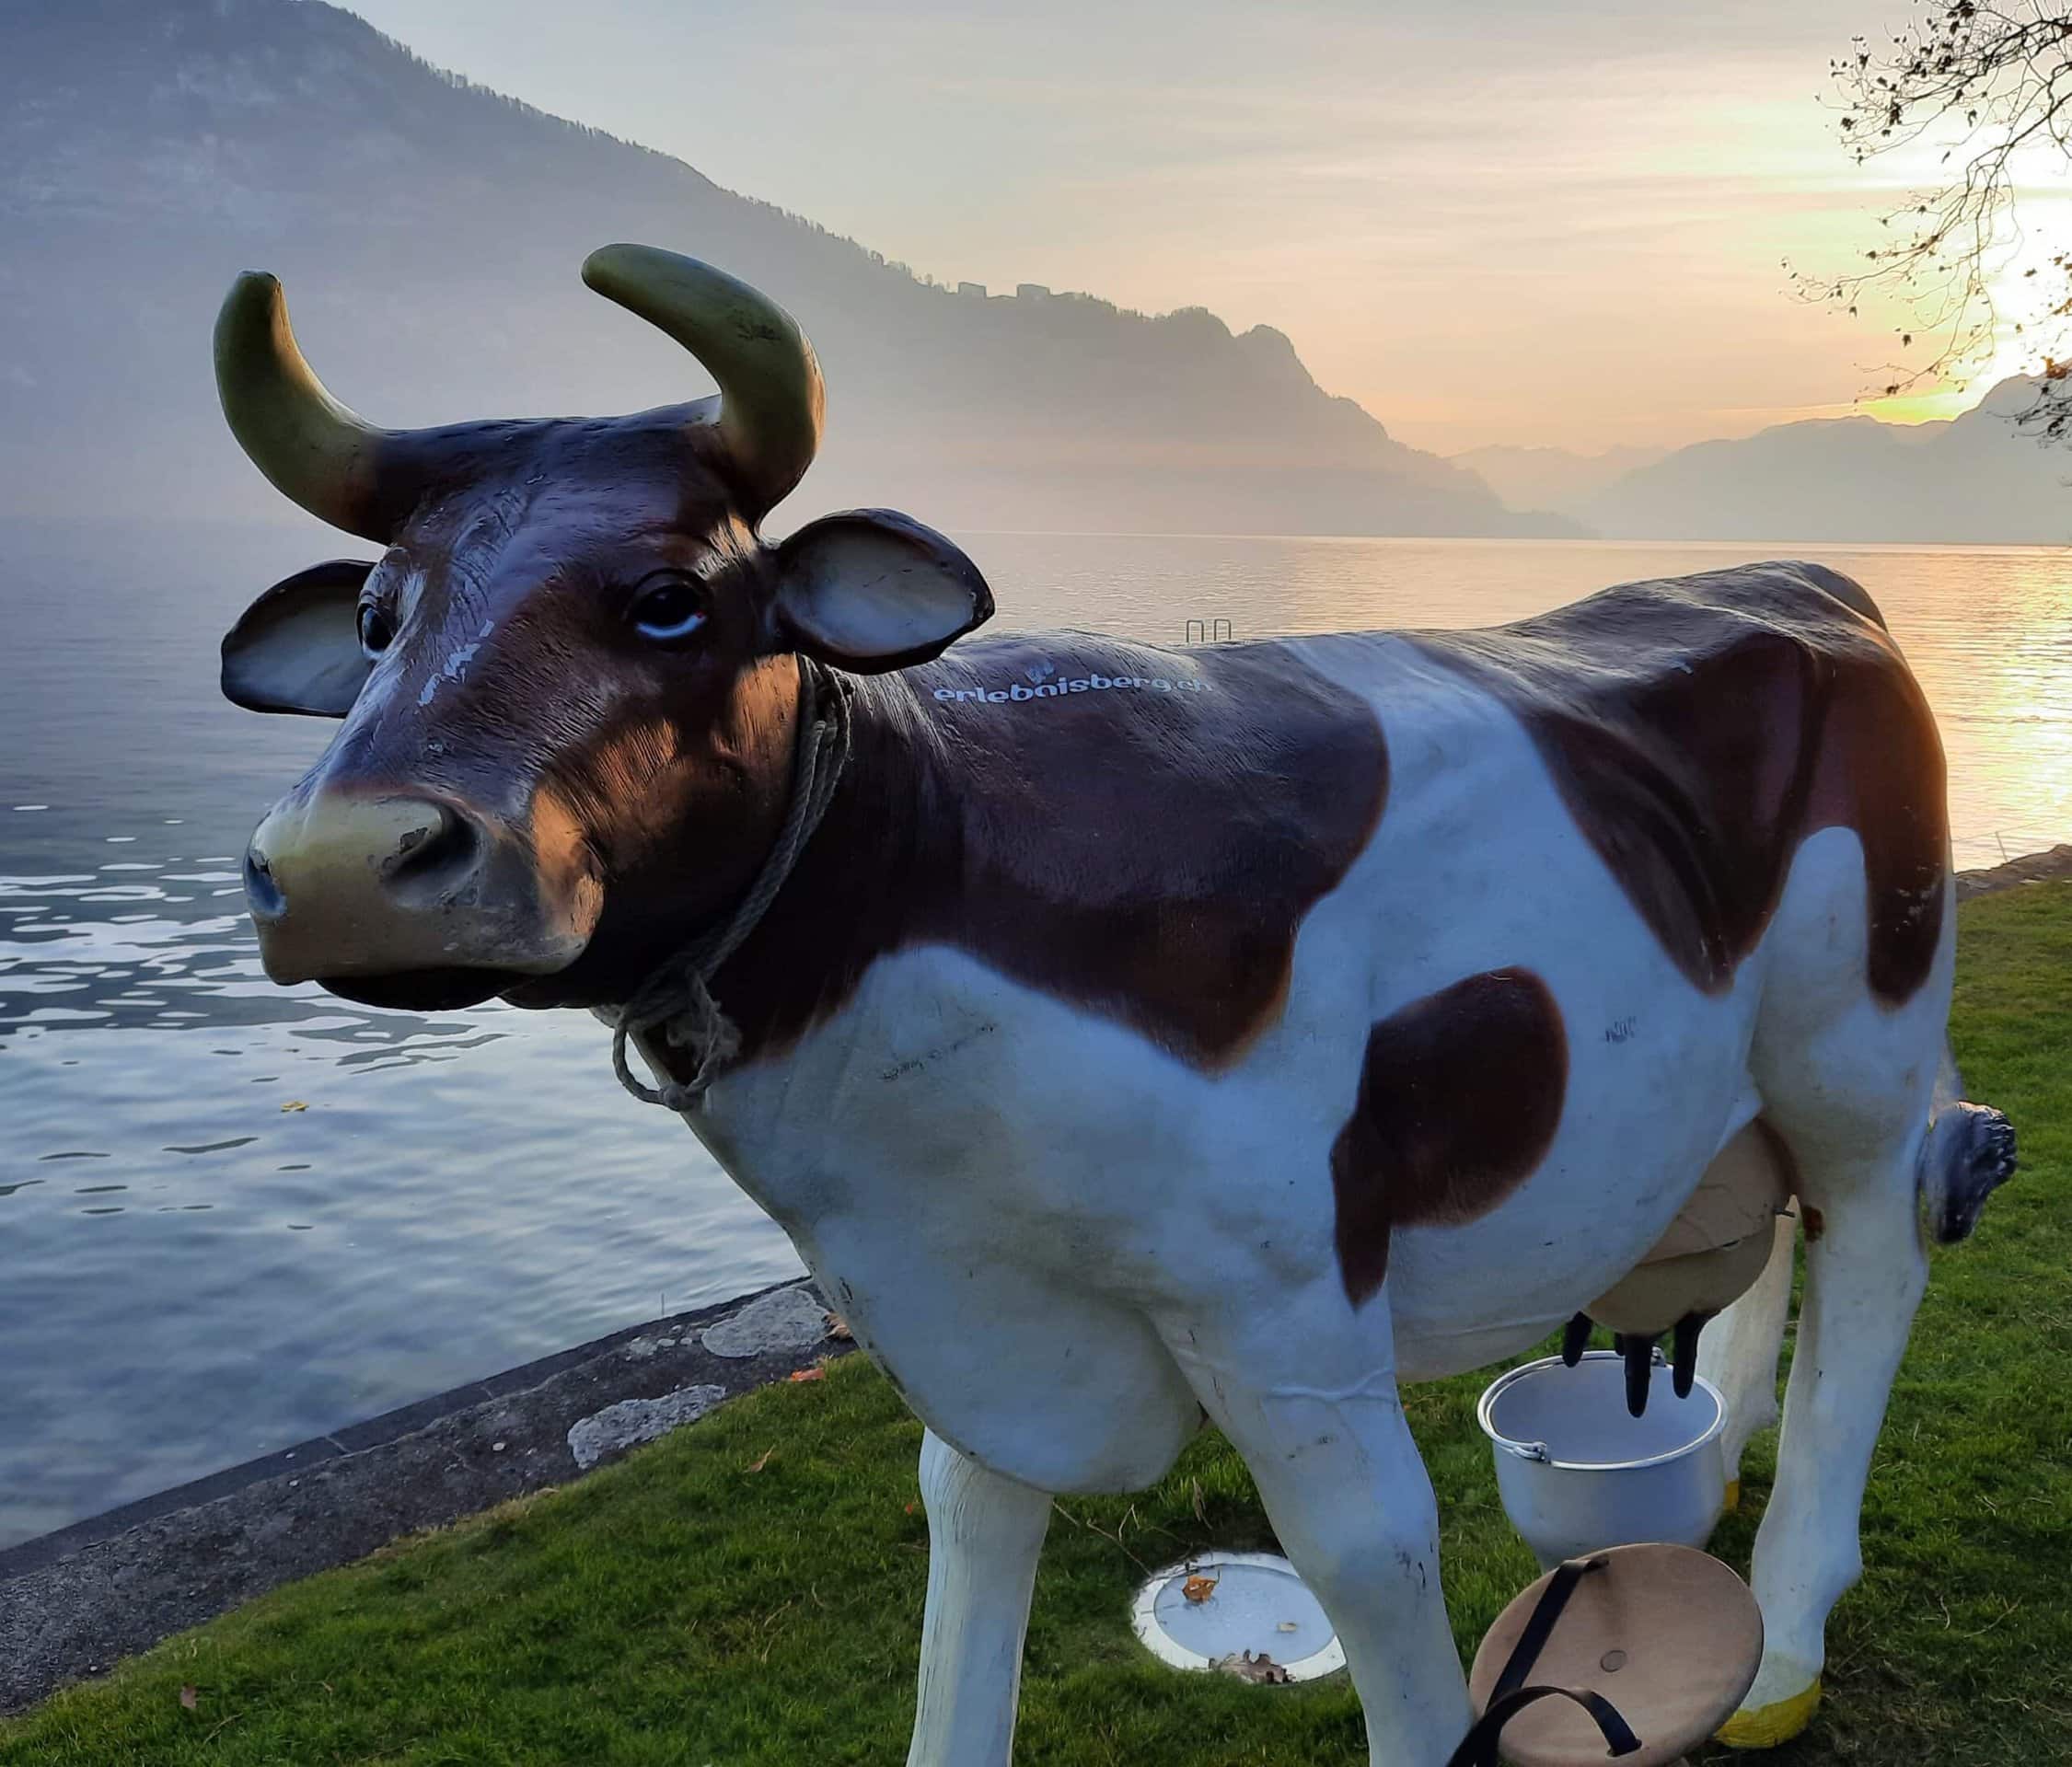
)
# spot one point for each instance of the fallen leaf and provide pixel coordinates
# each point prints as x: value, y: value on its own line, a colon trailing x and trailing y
x: 1199, y: 1588
x: 1261, y: 1669
x: 294, y: 1104
x: 815, y: 1373
x: 188, y: 1698
x: 838, y: 1329
x: 762, y: 1460
x: 1288, y: 1625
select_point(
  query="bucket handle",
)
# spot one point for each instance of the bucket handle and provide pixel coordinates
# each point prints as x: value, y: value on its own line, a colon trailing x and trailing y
x: 1524, y: 1450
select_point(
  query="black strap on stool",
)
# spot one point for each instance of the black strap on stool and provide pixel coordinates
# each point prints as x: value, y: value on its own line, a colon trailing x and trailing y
x: 1510, y: 1695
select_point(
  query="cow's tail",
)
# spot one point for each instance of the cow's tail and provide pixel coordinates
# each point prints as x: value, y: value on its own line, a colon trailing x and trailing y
x: 1969, y: 1154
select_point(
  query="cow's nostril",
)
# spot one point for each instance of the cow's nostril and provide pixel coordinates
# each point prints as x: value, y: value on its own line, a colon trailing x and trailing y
x: 261, y: 890
x: 441, y: 850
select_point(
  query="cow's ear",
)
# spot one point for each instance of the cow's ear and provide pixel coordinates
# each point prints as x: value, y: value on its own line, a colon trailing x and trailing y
x: 297, y: 647
x: 871, y: 590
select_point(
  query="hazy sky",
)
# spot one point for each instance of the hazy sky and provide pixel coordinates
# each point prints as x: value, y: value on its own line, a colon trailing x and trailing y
x: 1499, y: 221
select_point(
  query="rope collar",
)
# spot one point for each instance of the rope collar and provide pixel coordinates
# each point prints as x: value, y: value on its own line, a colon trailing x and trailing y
x: 676, y: 998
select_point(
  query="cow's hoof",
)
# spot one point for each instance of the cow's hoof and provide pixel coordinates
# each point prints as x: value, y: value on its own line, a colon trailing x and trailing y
x: 1765, y: 1726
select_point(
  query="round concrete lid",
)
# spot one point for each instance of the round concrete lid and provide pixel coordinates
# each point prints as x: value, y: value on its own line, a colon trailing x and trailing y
x: 1208, y: 1610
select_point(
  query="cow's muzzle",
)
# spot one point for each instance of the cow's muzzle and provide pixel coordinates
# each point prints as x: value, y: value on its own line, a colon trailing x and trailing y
x: 407, y: 900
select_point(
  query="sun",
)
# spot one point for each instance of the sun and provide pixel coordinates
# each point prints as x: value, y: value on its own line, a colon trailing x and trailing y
x: 1962, y: 391
x: 2021, y: 289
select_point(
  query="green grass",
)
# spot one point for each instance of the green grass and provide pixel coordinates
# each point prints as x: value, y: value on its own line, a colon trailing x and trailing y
x: 685, y: 1607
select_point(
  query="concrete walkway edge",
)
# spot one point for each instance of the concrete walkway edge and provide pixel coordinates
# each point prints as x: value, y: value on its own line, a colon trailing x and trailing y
x: 74, y: 1601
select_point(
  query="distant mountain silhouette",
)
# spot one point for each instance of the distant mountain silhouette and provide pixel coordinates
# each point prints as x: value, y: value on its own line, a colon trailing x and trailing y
x: 1551, y: 478
x: 1975, y: 477
x: 429, y: 234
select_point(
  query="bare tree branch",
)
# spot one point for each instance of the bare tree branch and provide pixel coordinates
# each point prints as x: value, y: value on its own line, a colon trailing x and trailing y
x: 1993, y: 84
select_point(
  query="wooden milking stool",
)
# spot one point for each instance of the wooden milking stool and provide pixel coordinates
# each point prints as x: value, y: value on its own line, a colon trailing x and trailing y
x: 1636, y: 1653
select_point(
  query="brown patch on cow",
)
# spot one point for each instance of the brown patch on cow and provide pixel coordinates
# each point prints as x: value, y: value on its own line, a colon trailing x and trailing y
x: 1699, y: 729
x: 1813, y: 1220
x: 1144, y: 853
x: 1460, y: 1095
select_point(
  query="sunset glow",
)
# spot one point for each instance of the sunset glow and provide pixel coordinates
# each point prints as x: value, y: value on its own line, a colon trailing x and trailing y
x: 1512, y: 225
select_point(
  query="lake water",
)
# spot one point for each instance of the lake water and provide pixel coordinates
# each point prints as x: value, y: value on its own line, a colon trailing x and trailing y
x: 232, y: 1216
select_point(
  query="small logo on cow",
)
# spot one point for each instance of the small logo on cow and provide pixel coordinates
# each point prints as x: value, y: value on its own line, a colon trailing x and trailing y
x: 1050, y: 685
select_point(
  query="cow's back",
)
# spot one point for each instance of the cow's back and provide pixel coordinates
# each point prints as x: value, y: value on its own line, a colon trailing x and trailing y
x: 1699, y: 728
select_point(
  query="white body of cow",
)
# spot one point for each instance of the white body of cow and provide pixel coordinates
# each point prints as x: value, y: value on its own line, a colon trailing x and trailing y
x: 1066, y: 1246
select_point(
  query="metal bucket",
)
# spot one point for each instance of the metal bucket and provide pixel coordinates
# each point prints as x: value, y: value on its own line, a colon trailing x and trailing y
x: 1579, y: 1473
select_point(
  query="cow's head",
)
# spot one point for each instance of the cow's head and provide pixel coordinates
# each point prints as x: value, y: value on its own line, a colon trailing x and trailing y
x: 569, y: 685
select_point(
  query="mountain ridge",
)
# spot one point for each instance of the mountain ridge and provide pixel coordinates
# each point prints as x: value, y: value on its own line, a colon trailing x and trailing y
x: 428, y: 232
x: 1972, y: 479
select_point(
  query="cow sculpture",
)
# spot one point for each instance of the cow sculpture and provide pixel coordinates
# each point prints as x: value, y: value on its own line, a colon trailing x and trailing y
x: 1125, y: 1035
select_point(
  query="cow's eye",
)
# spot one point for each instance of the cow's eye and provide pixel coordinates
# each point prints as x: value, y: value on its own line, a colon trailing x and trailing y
x: 375, y: 631
x: 668, y: 608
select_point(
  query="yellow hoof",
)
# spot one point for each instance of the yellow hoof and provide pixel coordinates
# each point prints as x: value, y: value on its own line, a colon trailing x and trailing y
x: 1767, y: 1726
x: 1732, y: 1503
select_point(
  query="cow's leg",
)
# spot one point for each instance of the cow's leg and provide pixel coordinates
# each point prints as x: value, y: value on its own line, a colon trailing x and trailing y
x: 1865, y: 1274
x: 985, y: 1534
x: 1739, y: 1354
x: 1848, y: 1081
x: 1312, y: 1406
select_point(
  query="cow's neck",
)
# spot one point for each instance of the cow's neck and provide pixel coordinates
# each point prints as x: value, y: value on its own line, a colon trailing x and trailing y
x: 854, y: 891
x: 1143, y: 848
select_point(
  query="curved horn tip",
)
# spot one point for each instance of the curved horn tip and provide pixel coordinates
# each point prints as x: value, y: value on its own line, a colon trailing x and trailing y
x: 253, y: 295
x: 612, y: 270
x: 635, y: 276
x: 770, y: 396
x: 314, y: 450
x: 632, y: 251
x: 598, y: 268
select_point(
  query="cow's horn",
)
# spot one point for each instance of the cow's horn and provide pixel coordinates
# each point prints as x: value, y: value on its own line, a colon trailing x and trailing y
x: 770, y: 397
x: 335, y: 464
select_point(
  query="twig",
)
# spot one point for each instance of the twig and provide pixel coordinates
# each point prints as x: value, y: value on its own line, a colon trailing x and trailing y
x: 1092, y: 1529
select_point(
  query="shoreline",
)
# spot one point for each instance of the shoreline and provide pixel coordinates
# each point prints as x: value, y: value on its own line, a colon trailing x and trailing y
x: 2044, y: 867
x: 74, y: 1600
